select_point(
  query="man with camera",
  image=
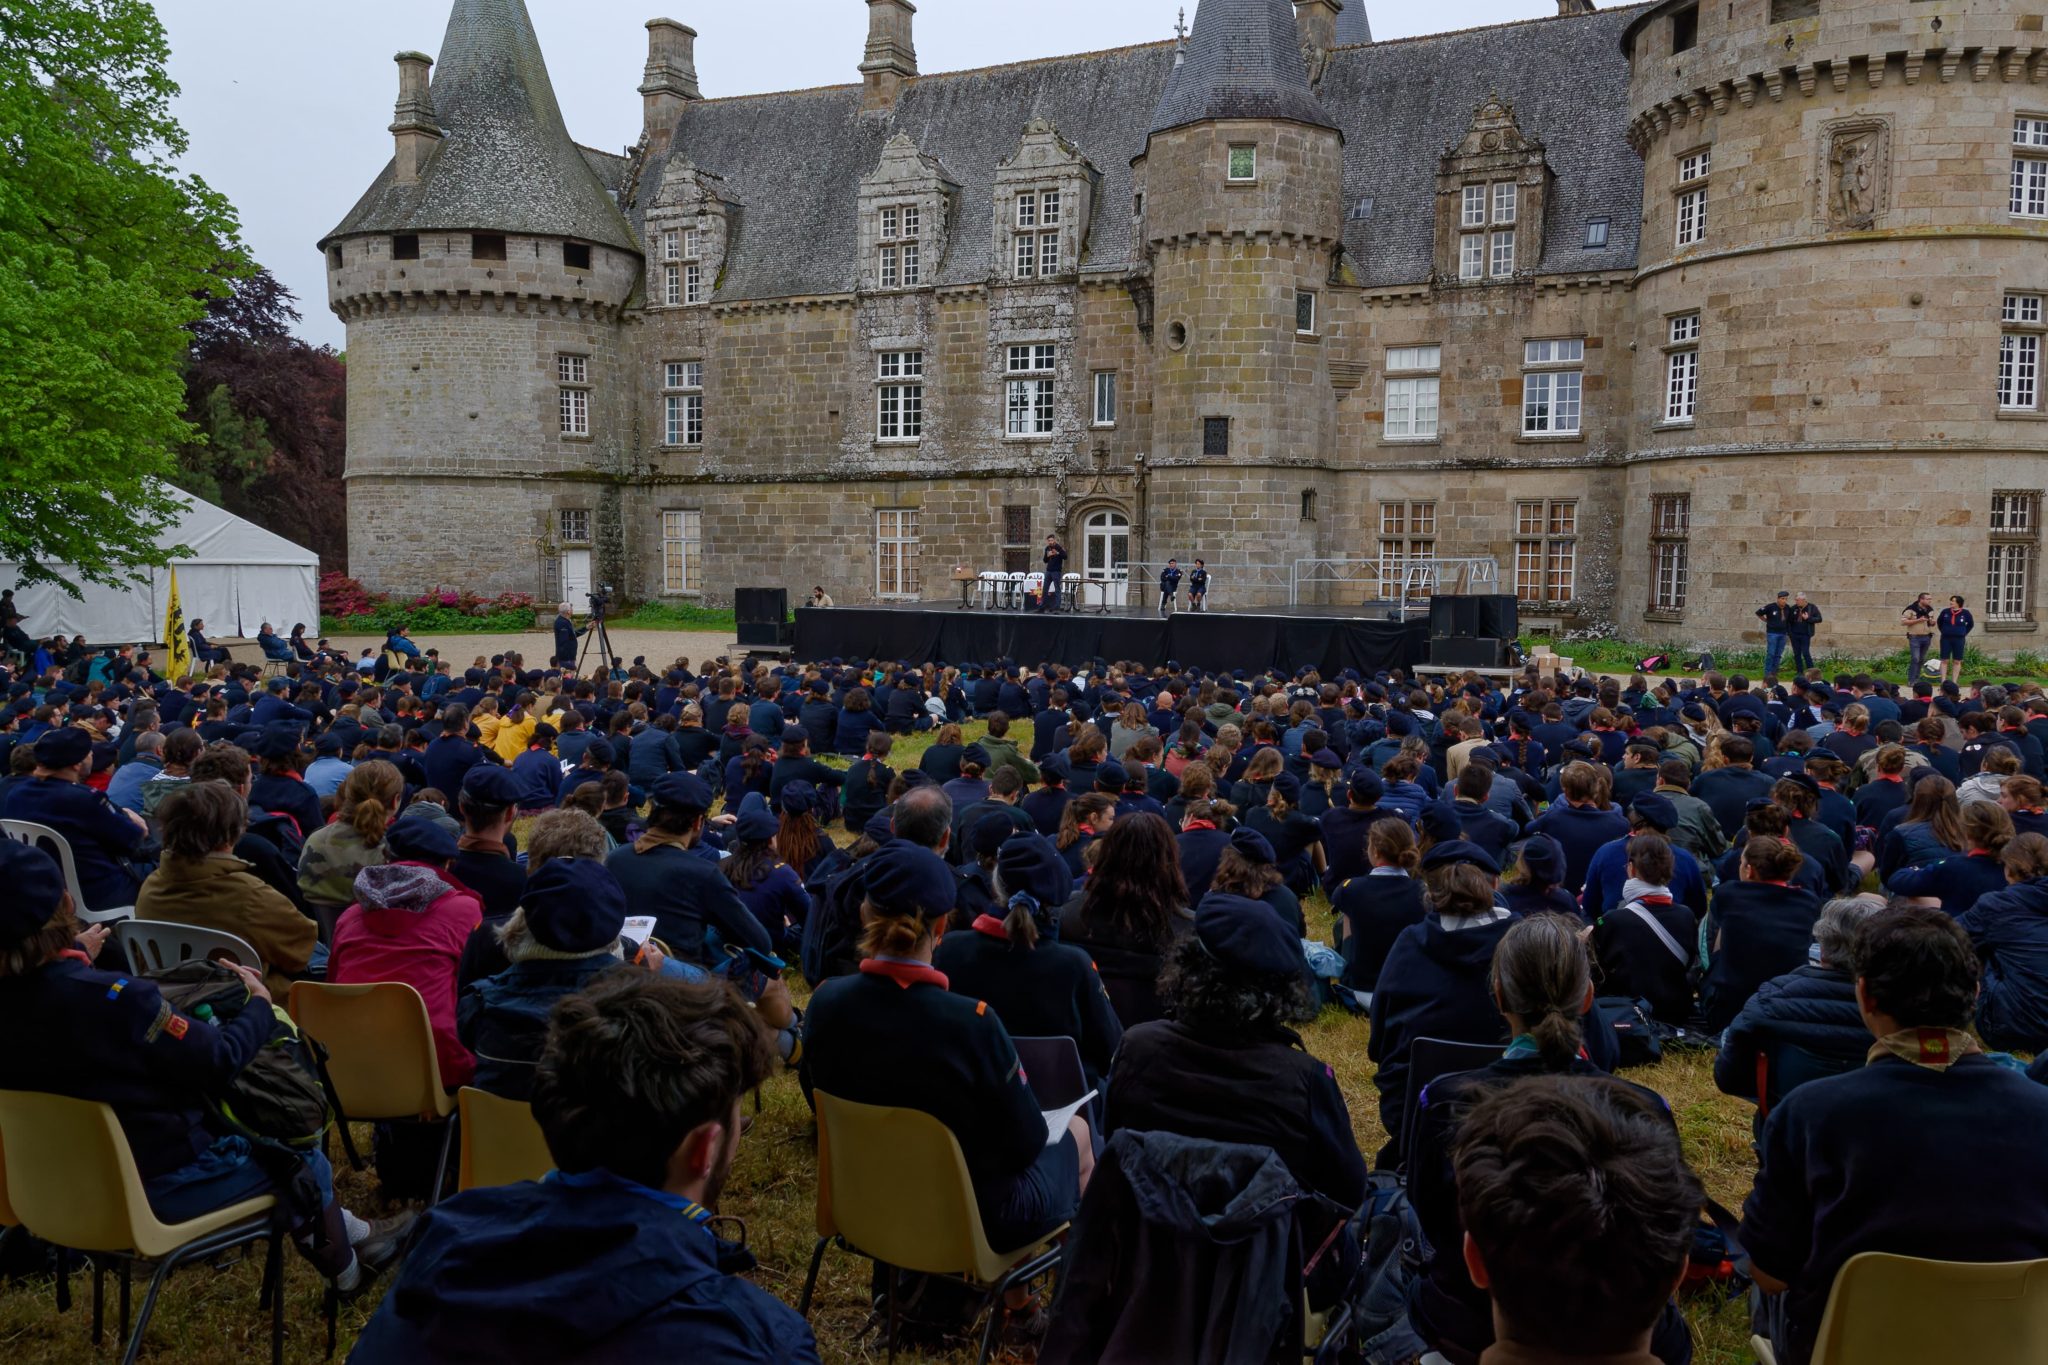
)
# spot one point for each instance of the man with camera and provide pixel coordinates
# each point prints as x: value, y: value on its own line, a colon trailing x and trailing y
x: 565, y: 637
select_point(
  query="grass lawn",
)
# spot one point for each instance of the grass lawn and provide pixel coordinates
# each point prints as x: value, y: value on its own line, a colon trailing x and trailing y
x: 1621, y: 657
x: 209, y: 1315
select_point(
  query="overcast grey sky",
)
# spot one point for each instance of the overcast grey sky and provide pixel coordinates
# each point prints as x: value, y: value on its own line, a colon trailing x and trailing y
x: 287, y: 102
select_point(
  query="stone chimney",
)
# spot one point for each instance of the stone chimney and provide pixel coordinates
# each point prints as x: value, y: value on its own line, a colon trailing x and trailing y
x: 1574, y: 6
x: 414, y: 128
x: 891, y: 57
x: 1317, y: 20
x: 669, y: 82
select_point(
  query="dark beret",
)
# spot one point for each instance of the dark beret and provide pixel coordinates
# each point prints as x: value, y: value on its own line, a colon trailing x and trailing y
x: 487, y: 784
x: 974, y: 754
x: 1461, y: 851
x: 756, y: 826
x: 1251, y: 844
x: 1366, y: 786
x: 1289, y: 787
x: 1325, y: 758
x: 574, y: 905
x: 1030, y: 863
x: 798, y: 798
x: 1441, y: 821
x: 989, y: 833
x: 904, y: 879
x: 684, y: 791
x: 1111, y: 777
x: 35, y: 888
x: 419, y: 839
x: 1656, y: 809
x: 878, y: 827
x: 1544, y: 858
x: 1248, y: 935
x: 63, y: 748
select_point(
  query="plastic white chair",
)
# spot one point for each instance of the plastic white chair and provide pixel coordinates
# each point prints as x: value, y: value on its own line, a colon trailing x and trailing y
x: 1013, y: 591
x: 988, y: 589
x: 154, y: 946
x: 58, y: 847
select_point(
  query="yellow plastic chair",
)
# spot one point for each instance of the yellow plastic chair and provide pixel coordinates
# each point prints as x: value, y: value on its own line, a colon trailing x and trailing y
x: 72, y: 1181
x: 381, y: 1062
x: 1901, y: 1310
x: 501, y: 1143
x: 893, y: 1186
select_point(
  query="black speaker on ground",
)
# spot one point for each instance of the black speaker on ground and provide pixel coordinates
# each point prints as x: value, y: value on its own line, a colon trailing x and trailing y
x: 1497, y: 615
x: 1470, y: 651
x: 766, y: 633
x: 756, y: 606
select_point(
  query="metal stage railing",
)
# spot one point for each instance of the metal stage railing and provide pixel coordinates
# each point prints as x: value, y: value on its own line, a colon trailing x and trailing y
x: 1391, y: 583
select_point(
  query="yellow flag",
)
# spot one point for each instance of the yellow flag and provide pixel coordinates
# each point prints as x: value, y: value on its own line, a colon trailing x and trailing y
x: 177, y: 644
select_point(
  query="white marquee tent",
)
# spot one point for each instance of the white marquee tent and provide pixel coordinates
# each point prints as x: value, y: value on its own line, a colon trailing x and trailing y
x: 237, y: 577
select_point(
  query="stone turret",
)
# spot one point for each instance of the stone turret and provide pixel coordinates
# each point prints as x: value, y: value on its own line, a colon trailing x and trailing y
x: 1242, y: 173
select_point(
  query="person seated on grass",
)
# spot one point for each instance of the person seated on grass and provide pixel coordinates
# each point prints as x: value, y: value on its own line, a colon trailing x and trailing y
x: 1811, y: 1008
x: 2009, y: 931
x: 613, y: 1256
x: 1956, y: 883
x: 1132, y: 910
x: 772, y: 890
x: 1085, y: 819
x: 1932, y: 1149
x: 117, y: 1041
x: 1542, y: 984
x: 1226, y: 1065
x: 1758, y: 928
x: 893, y: 1034
x: 1372, y: 910
x: 202, y: 883
x: 484, y: 860
x: 1579, y: 1213
x: 563, y: 936
x: 1434, y: 981
x: 1581, y: 822
x: 1247, y: 868
x: 1646, y: 944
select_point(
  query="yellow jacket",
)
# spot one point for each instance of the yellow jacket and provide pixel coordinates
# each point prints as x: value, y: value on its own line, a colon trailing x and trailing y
x: 512, y: 737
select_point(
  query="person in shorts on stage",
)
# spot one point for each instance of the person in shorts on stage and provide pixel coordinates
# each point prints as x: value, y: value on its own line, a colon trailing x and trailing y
x: 1198, y: 587
x: 1169, y: 587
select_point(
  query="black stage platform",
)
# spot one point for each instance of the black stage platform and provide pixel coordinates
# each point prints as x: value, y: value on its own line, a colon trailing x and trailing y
x: 1206, y: 640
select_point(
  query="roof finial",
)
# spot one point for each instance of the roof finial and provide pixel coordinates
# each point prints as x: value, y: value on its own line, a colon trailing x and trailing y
x: 1180, y: 38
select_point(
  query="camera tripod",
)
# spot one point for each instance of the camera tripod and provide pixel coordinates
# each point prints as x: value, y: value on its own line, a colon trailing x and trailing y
x: 596, y: 637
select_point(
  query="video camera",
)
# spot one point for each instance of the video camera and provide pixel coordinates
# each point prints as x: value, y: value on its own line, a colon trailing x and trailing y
x: 600, y: 598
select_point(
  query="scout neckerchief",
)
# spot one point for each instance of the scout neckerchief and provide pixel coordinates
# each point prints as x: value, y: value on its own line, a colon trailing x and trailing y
x: 905, y: 971
x: 1936, y: 1049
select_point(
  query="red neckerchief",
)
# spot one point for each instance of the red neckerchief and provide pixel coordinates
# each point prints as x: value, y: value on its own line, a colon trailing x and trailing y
x: 1652, y: 900
x: 1199, y: 824
x: 905, y: 974
x: 990, y: 925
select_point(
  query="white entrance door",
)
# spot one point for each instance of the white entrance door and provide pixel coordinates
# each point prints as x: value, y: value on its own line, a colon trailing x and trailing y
x: 576, y: 578
x: 1107, y: 556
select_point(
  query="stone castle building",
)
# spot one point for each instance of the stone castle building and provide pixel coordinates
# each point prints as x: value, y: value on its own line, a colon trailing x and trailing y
x: 1662, y: 308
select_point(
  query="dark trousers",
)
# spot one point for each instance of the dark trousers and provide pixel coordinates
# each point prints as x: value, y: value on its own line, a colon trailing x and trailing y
x: 1802, y: 651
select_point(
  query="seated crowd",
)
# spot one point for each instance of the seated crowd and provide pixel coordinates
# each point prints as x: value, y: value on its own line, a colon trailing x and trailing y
x: 598, y: 887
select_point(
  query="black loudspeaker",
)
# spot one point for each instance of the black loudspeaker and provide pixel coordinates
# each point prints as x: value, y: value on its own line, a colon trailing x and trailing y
x: 766, y: 633
x: 1496, y: 615
x: 755, y: 606
x: 1471, y: 651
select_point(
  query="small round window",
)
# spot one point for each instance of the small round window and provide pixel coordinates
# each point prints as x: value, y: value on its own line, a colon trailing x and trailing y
x: 1177, y: 335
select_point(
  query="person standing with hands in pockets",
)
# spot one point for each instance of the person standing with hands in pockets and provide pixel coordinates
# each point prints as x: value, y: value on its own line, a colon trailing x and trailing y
x: 1954, y: 625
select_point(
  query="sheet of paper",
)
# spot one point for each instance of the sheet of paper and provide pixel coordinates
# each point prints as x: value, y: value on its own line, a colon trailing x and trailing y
x: 1056, y: 1119
x: 638, y: 929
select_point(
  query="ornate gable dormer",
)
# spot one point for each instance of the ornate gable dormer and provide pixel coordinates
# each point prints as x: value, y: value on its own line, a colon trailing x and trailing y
x: 906, y: 216
x: 1045, y: 202
x: 1493, y: 189
x: 691, y: 222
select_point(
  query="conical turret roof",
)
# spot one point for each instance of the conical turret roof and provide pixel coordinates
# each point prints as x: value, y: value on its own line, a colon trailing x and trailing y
x: 506, y: 162
x: 1244, y: 62
x: 1354, y: 25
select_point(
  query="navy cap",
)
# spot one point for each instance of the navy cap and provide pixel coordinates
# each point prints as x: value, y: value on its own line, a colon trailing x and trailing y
x: 280, y: 739
x: 756, y: 827
x: 1289, y: 788
x: 1806, y: 780
x: 905, y: 879
x: 1325, y: 758
x: 1251, y: 844
x: 798, y: 798
x: 487, y: 784
x: 1441, y: 822
x: 1031, y: 864
x: 277, y: 684
x: 917, y: 777
x: 63, y: 748
x: 601, y: 751
x: 1758, y: 803
x: 327, y: 744
x: 684, y: 791
x: 420, y: 839
x: 878, y: 827
x: 976, y: 755
x: 1657, y: 809
x: 35, y: 888
x: 1400, y: 725
x: 1544, y: 858
x: 989, y: 833
x: 1054, y: 767
x: 1249, y: 935
x: 1366, y: 786
x: 1461, y: 851
x: 1111, y: 777
x: 574, y: 905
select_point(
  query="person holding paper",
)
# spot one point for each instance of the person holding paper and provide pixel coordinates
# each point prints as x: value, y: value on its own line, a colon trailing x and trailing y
x: 1012, y: 958
x: 893, y: 1034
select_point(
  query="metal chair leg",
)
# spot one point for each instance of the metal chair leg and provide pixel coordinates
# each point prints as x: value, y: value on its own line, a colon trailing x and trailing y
x: 331, y: 1304
x: 99, y: 1298
x: 995, y: 1306
x: 275, y: 1270
x: 441, y: 1166
x: 156, y: 1284
x: 890, y: 1295
x: 127, y: 1278
x: 63, y: 1280
x: 803, y: 1305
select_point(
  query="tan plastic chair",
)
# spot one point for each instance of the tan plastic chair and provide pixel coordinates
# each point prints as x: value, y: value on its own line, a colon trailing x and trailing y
x: 73, y: 1182
x: 381, y: 1062
x: 894, y: 1187
x: 501, y: 1143
x: 1901, y: 1310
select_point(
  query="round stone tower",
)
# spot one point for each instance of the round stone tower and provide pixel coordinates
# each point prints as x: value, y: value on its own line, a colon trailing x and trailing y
x: 1241, y: 208
x: 482, y: 280
x: 1838, y: 289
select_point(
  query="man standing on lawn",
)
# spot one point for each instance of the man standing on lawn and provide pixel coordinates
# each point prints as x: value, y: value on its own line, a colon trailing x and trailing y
x: 1800, y: 620
x: 1918, y: 619
x: 1773, y: 617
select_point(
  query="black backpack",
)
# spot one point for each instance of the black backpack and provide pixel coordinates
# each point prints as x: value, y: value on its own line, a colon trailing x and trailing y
x: 278, y: 1096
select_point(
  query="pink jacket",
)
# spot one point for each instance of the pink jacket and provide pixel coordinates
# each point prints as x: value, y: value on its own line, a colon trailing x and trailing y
x: 409, y: 924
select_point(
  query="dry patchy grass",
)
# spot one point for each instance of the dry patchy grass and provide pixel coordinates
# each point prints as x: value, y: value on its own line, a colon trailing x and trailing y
x: 209, y: 1315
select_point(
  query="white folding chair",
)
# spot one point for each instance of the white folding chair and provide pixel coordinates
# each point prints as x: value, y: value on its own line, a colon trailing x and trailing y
x: 1013, y: 591
x: 58, y: 847
x: 988, y: 589
x: 154, y: 946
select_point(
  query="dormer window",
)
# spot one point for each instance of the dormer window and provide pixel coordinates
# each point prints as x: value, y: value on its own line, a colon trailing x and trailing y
x: 1486, y: 231
x: 901, y: 263
x: 1037, y: 252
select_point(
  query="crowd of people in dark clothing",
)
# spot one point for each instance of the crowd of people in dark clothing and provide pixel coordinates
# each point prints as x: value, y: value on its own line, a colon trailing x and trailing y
x: 1838, y: 889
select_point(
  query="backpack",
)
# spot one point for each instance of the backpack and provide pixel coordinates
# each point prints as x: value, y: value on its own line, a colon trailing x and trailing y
x: 831, y: 942
x: 278, y: 1097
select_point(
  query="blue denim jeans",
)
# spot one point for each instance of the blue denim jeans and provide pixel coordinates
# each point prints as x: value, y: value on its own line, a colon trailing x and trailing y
x: 1774, y: 650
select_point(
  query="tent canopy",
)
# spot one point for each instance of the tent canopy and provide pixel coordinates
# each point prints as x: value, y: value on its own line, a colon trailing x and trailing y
x: 237, y: 577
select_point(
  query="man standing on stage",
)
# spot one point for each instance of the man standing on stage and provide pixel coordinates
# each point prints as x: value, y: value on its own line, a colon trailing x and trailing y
x: 1799, y: 623
x: 1055, y: 571
x: 1773, y: 617
x: 1198, y: 586
x: 1169, y: 587
x: 1918, y: 619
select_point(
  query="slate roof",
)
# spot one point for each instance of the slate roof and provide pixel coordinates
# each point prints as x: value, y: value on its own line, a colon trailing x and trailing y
x: 1354, y: 25
x: 1244, y: 61
x: 794, y: 162
x: 1402, y: 103
x: 507, y: 162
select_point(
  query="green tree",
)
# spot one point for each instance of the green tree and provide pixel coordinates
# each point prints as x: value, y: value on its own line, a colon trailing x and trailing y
x: 106, y: 255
